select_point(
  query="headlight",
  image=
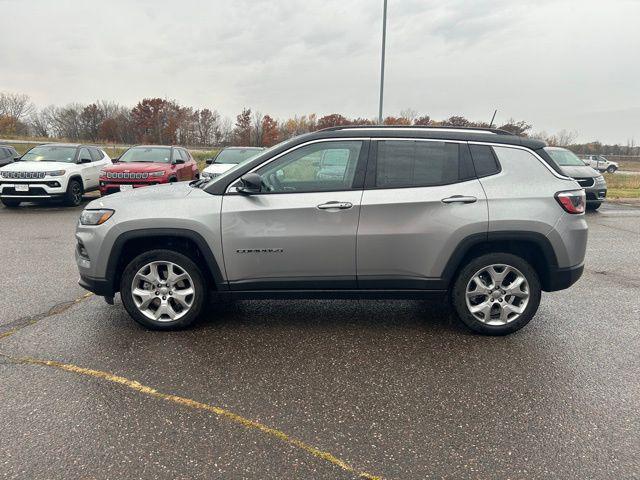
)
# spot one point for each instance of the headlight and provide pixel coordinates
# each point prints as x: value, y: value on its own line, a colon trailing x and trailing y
x: 157, y: 174
x: 95, y: 217
x: 56, y: 173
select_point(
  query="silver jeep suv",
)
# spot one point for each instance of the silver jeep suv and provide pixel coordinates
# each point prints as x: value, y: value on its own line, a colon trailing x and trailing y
x: 481, y: 216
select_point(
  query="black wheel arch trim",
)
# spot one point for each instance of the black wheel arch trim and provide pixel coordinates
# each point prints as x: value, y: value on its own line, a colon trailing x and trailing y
x: 123, y: 238
x: 76, y: 177
x: 516, y: 236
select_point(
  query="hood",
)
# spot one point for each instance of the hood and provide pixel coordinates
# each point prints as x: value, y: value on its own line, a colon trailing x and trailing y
x: 163, y: 193
x: 578, y: 171
x: 218, y: 168
x: 137, y: 167
x: 21, y: 166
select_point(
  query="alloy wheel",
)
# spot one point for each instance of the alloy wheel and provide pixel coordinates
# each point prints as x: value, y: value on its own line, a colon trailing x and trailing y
x: 497, y: 294
x: 163, y: 291
x: 76, y: 192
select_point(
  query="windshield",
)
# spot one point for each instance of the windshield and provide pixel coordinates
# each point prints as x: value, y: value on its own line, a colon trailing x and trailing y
x: 50, y: 153
x: 233, y: 156
x: 147, y: 154
x: 564, y: 158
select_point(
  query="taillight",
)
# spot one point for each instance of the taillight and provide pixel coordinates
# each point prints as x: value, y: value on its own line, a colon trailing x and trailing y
x: 573, y: 201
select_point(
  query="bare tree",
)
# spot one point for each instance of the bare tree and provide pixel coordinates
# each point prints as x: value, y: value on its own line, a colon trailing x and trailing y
x: 42, y: 121
x: 409, y: 114
x: 15, y: 105
x: 256, y: 131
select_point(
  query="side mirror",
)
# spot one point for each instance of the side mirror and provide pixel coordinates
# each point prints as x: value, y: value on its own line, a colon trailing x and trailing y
x: 209, y: 161
x: 250, y: 183
x: 115, y: 160
x: 85, y: 160
x: 178, y: 161
x: 16, y: 159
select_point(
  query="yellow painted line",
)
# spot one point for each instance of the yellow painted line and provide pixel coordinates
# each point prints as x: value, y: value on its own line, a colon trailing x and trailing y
x: 55, y: 310
x: 187, y: 402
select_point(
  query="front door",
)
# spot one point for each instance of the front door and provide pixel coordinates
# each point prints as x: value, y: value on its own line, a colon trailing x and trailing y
x: 299, y: 232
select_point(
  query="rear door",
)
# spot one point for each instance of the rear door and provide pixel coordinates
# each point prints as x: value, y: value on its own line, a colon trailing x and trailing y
x: 421, y: 199
x: 300, y: 231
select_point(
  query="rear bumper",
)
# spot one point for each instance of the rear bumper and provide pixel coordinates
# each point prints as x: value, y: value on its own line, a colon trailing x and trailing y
x: 561, y: 278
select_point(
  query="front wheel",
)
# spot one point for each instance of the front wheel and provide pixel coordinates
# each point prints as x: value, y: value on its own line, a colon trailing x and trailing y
x: 496, y: 294
x: 611, y: 169
x: 163, y: 290
x: 73, y: 195
x: 10, y: 202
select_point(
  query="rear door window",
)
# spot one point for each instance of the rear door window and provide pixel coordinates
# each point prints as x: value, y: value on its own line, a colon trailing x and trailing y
x: 410, y: 163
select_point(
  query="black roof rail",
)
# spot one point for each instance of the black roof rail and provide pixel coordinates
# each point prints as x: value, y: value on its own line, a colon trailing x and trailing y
x: 497, y: 131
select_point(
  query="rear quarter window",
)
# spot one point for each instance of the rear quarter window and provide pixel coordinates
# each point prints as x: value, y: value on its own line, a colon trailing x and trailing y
x: 484, y: 160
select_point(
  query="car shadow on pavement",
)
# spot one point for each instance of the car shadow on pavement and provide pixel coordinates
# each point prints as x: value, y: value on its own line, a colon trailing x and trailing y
x: 365, y: 314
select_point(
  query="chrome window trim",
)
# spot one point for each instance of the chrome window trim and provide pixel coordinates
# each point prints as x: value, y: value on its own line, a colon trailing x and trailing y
x: 232, y: 189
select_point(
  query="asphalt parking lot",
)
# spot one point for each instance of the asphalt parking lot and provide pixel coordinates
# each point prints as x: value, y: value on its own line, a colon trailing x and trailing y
x: 315, y: 389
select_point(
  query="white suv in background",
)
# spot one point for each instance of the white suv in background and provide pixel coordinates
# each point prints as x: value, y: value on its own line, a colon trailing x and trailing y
x: 228, y: 158
x: 52, y: 171
x: 598, y: 162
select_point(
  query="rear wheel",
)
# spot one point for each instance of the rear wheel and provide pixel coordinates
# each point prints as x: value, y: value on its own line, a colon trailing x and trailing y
x: 73, y: 195
x: 496, y: 293
x: 611, y: 169
x: 163, y: 290
x: 10, y: 203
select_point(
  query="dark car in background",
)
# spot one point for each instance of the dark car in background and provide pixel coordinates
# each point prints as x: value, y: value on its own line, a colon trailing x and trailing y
x: 591, y: 180
x: 8, y: 155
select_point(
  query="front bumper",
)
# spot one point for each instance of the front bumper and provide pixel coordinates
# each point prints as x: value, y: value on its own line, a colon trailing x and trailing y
x: 596, y: 194
x: 99, y: 286
x: 37, y: 189
x: 108, y: 186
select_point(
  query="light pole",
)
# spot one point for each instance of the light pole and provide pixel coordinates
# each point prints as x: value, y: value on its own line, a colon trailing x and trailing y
x: 384, y: 39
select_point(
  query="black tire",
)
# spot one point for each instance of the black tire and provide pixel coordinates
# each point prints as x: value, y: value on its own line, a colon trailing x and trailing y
x: 10, y: 202
x: 594, y: 205
x: 611, y: 169
x: 458, y: 294
x: 73, y: 195
x: 184, y: 263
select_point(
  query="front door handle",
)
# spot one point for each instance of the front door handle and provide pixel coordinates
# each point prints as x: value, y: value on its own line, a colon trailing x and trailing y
x: 459, y: 199
x: 335, y: 205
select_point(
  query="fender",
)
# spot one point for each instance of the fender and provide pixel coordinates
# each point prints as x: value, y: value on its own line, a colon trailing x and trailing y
x: 200, y: 242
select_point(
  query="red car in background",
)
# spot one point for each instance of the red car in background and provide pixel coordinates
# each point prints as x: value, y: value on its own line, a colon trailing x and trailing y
x: 145, y: 165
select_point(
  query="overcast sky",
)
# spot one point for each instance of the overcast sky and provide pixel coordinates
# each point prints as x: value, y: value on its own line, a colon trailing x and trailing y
x: 559, y: 64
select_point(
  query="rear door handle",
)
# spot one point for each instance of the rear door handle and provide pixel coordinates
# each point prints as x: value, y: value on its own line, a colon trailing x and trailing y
x: 335, y: 205
x: 459, y: 199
